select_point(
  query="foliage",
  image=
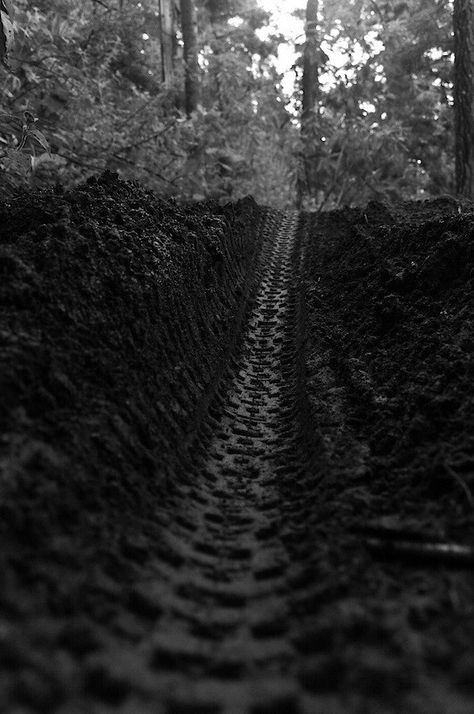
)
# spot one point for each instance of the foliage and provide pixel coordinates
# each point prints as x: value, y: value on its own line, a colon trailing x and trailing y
x: 383, y: 127
x: 90, y: 73
x: 76, y: 68
x: 247, y: 136
x: 6, y: 30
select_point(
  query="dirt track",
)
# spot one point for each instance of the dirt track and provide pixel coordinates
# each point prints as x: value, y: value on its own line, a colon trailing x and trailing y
x: 212, y: 446
x: 223, y: 634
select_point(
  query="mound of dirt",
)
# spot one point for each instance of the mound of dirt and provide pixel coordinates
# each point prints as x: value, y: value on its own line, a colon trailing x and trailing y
x: 390, y: 369
x: 116, y: 309
x: 394, y: 287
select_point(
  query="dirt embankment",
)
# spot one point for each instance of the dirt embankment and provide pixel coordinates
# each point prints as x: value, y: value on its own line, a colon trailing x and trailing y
x: 390, y: 361
x: 119, y: 314
x: 392, y: 292
x: 116, y: 309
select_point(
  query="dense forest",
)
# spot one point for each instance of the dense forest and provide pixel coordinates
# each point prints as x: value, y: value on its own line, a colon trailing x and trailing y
x: 188, y: 98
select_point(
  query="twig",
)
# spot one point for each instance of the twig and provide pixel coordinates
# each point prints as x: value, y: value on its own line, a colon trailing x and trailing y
x: 139, y: 109
x: 461, y: 482
x: 94, y: 167
x: 146, y: 139
x: 78, y: 162
x: 449, y: 554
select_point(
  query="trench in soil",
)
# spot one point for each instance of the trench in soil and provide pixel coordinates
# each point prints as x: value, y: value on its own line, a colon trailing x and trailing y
x: 241, y: 588
x: 224, y: 635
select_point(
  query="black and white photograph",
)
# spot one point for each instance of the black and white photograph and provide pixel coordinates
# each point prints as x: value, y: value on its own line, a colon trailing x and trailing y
x: 236, y: 356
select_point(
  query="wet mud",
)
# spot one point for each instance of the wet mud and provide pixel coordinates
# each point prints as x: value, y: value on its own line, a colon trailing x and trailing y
x: 236, y: 456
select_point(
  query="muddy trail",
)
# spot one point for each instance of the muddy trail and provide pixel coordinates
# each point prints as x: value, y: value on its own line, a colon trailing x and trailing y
x: 236, y: 456
x: 223, y: 636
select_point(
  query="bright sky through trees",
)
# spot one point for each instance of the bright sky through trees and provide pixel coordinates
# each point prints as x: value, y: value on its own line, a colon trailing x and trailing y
x: 292, y: 28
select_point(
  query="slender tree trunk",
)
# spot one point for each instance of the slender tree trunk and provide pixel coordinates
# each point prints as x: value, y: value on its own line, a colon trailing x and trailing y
x: 310, y: 61
x: 213, y: 9
x: 167, y: 10
x: 307, y: 179
x: 190, y: 55
x: 463, y: 24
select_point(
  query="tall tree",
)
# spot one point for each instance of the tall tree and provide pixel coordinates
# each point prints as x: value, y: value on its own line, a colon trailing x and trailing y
x: 310, y: 61
x: 310, y: 84
x: 190, y: 55
x: 463, y: 24
x: 167, y: 14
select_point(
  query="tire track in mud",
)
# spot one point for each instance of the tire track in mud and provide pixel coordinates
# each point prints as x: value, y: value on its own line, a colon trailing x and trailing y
x: 223, y: 641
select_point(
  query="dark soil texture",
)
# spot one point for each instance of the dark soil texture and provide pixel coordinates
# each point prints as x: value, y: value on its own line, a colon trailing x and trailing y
x: 236, y: 456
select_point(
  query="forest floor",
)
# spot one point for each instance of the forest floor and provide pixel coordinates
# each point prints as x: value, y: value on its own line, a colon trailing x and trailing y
x: 236, y: 456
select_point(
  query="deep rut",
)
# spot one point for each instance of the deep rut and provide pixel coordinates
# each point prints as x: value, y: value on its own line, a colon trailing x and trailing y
x: 223, y: 642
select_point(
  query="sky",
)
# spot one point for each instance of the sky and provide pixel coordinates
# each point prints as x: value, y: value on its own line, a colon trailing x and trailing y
x: 291, y: 28
x: 282, y: 13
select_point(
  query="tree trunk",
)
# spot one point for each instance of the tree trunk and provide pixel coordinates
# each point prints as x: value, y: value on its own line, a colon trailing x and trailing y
x: 463, y: 24
x: 167, y: 10
x: 307, y: 179
x: 310, y: 61
x: 190, y: 55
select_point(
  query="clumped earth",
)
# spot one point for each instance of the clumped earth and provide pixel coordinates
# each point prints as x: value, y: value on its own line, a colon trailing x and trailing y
x: 390, y: 369
x: 119, y: 315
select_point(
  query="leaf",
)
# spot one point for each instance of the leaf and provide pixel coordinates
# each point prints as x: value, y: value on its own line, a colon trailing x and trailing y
x: 6, y: 31
x: 8, y: 8
x: 40, y: 138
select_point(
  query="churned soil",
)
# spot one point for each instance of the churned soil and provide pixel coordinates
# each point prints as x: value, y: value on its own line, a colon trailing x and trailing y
x: 116, y: 312
x: 390, y: 368
x: 236, y: 456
